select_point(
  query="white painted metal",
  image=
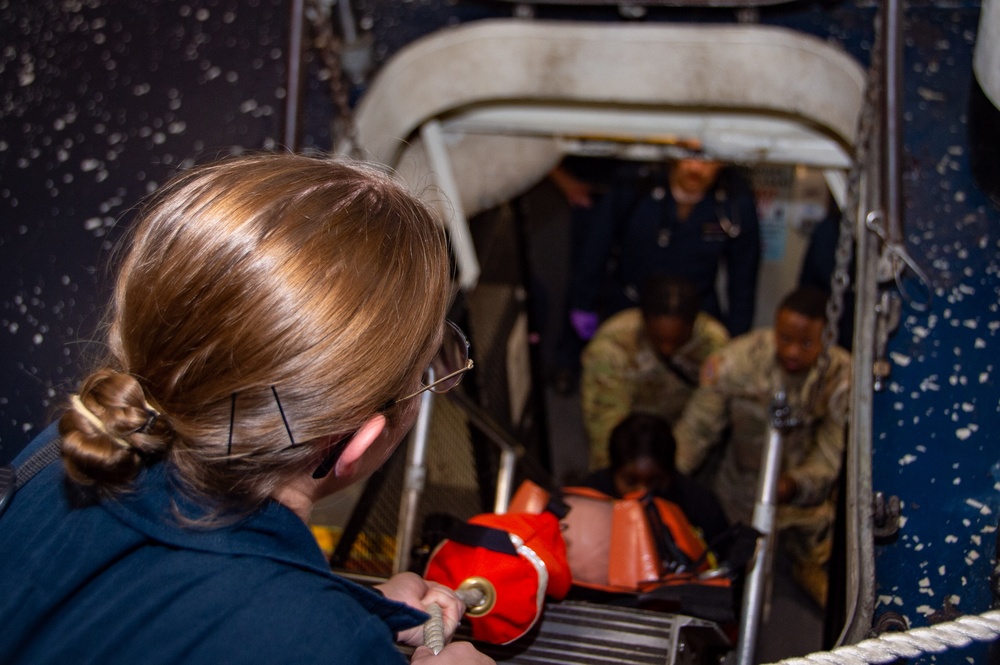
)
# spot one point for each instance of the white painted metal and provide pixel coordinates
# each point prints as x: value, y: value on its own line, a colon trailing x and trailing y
x: 662, y: 69
x: 986, y: 58
x: 452, y: 211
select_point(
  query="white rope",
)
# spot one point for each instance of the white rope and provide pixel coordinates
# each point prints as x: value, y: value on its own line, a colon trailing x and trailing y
x: 909, y: 644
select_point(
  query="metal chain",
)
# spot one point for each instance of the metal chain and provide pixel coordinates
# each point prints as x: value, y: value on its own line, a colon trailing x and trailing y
x: 330, y: 48
x: 841, y: 278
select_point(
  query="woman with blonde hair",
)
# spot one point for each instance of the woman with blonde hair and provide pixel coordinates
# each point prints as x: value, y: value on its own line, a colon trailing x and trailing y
x: 272, y: 318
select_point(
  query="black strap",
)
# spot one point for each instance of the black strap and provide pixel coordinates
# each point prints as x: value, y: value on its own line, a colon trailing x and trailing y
x: 475, y: 535
x: 41, y: 458
x: 13, y: 479
x: 558, y: 507
x: 672, y: 558
x: 672, y: 365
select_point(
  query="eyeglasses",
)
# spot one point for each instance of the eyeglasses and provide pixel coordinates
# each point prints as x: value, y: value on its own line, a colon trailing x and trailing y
x: 448, y: 366
x: 451, y: 362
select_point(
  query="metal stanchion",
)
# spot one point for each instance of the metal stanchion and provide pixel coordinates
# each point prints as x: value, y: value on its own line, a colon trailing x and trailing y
x: 754, y: 596
x: 413, y: 487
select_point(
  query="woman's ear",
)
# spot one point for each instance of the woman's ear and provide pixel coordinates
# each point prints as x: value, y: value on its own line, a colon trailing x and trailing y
x: 359, y: 443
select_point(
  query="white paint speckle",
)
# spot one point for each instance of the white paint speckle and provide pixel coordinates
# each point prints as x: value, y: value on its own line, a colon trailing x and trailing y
x: 900, y: 359
x: 963, y: 433
x: 907, y: 459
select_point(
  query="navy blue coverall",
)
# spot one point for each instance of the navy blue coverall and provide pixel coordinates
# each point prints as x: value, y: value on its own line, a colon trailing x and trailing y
x: 637, y: 220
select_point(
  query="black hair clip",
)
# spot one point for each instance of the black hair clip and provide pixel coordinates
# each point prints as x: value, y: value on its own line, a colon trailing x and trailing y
x: 325, y: 467
x: 283, y: 418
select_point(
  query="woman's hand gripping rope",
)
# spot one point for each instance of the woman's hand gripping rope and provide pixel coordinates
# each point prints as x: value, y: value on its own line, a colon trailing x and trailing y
x: 474, y: 597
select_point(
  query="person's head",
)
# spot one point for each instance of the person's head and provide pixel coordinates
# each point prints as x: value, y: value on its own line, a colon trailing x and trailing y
x: 693, y: 175
x: 798, y: 328
x: 641, y: 450
x: 669, y: 308
x: 265, y: 307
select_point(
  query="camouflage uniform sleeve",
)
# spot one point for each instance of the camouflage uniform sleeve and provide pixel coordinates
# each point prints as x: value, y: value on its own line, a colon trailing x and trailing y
x: 704, y: 417
x: 714, y: 334
x: 819, y: 470
x: 606, y: 397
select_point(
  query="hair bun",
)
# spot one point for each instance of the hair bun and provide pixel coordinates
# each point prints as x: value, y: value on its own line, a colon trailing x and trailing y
x: 110, y: 429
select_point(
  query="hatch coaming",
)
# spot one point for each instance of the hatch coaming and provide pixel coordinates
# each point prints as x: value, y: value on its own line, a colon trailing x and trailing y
x: 750, y: 93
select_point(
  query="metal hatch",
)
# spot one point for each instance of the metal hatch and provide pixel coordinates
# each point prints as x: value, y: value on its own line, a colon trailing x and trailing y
x: 472, y: 116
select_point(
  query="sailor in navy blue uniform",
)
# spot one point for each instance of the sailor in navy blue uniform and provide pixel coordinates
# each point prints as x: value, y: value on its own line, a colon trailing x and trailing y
x: 689, y: 218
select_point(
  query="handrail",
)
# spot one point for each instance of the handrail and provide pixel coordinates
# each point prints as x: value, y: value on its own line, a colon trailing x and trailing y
x: 889, y: 647
x: 764, y: 513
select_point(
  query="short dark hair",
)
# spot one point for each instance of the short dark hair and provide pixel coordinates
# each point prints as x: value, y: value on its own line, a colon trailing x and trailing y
x: 809, y: 301
x: 664, y: 295
x: 642, y: 435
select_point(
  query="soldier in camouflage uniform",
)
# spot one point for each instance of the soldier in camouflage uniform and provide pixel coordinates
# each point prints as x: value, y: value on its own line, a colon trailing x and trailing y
x: 736, y: 389
x: 646, y: 359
